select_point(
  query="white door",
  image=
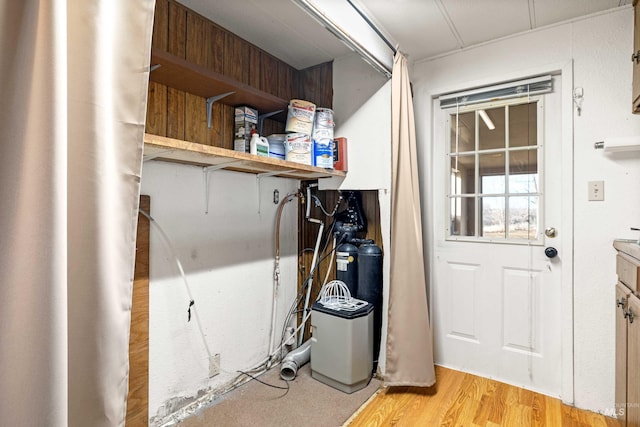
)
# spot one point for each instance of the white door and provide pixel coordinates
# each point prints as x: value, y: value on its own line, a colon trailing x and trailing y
x: 496, y: 293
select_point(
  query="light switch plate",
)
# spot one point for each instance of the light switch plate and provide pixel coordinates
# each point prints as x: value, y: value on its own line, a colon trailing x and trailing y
x: 596, y: 190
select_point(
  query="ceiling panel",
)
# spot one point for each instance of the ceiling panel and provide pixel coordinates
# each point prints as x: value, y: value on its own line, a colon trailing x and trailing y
x: 479, y: 21
x: 416, y: 25
x: 552, y: 11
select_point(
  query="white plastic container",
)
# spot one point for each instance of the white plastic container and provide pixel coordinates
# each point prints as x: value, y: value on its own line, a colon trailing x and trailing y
x: 259, y: 145
x: 276, y: 146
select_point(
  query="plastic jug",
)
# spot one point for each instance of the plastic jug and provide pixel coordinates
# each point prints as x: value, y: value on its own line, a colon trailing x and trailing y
x: 259, y: 145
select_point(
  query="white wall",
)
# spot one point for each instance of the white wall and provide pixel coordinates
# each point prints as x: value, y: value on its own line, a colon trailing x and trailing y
x: 599, y: 48
x: 362, y: 113
x: 227, y: 256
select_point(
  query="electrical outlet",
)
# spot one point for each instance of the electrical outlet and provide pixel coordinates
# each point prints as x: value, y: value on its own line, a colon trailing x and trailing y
x: 596, y: 190
x: 214, y: 365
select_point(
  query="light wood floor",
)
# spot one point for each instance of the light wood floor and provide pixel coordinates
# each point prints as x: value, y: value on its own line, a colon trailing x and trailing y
x: 460, y: 399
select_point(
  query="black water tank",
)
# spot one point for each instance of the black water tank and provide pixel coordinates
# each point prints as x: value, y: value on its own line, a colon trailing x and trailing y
x: 370, y: 288
x: 347, y: 266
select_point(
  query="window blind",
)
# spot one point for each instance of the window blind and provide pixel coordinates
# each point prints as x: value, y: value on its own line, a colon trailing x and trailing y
x: 532, y: 86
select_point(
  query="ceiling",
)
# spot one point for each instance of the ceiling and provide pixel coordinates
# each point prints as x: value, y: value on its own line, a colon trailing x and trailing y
x: 422, y: 28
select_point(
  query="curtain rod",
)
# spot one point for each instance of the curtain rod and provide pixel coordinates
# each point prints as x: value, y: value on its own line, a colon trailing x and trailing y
x: 319, y: 16
x: 373, y: 26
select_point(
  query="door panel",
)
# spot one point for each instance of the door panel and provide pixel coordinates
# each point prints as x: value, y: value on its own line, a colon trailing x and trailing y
x: 521, y: 322
x: 462, y: 299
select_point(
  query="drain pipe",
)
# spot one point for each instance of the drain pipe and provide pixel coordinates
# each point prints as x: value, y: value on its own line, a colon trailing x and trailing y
x: 294, y: 360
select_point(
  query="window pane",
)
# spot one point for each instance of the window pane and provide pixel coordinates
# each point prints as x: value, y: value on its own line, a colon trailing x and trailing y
x: 492, y: 173
x: 523, y: 171
x: 462, y: 216
x: 491, y: 138
x: 523, y: 126
x: 463, y: 132
x: 463, y: 174
x: 493, y: 217
x: 523, y: 217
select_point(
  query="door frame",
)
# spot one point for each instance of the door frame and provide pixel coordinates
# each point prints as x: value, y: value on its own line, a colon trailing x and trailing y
x: 565, y: 71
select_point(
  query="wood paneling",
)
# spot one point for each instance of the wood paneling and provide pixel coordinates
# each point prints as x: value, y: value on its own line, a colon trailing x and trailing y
x: 195, y: 126
x: 160, y: 37
x: 460, y: 399
x: 175, y: 113
x: 138, y: 398
x: 177, y: 32
x: 176, y: 46
x: 285, y: 81
x: 316, y: 84
x: 157, y: 109
x: 199, y: 39
x: 255, y: 66
x: 269, y: 74
x: 236, y: 58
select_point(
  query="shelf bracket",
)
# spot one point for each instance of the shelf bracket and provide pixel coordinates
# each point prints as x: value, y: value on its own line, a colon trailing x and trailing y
x: 265, y: 175
x: 262, y: 117
x: 210, y: 102
x: 155, y: 155
x: 205, y: 175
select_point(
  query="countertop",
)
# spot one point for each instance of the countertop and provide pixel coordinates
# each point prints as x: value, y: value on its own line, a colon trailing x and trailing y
x: 629, y: 247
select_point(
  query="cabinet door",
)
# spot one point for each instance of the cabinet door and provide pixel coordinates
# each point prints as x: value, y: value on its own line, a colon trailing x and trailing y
x: 622, y: 295
x: 636, y: 66
x: 633, y: 362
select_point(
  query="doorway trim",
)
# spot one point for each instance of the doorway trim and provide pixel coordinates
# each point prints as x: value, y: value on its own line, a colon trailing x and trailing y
x: 565, y: 71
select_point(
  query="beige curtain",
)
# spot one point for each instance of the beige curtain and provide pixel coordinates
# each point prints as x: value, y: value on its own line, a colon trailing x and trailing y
x: 73, y: 79
x: 409, y: 357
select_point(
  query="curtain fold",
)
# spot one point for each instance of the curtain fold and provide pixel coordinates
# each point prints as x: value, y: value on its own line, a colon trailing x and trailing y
x: 409, y: 347
x: 74, y: 78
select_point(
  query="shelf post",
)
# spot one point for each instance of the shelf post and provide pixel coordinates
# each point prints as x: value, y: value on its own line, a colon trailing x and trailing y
x: 210, y: 102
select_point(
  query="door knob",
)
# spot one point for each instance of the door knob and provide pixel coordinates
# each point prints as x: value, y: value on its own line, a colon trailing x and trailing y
x: 550, y: 232
x: 551, y: 252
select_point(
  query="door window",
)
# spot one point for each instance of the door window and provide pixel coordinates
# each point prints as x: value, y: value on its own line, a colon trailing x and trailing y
x: 495, y: 172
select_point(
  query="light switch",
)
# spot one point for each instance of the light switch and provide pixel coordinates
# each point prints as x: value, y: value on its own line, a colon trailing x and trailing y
x: 596, y: 190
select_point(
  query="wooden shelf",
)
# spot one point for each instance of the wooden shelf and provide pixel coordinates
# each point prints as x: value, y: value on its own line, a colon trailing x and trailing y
x: 175, y: 150
x: 180, y: 74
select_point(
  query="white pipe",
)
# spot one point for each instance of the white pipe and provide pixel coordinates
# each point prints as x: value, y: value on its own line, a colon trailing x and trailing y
x: 276, y: 276
x: 310, y: 284
x: 294, y: 360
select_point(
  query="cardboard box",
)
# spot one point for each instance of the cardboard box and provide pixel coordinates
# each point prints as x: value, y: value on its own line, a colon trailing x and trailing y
x: 246, y: 120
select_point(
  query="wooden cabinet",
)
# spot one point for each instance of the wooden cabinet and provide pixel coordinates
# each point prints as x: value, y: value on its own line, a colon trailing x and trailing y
x: 622, y: 296
x: 635, y: 58
x: 633, y: 362
x: 627, y: 335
